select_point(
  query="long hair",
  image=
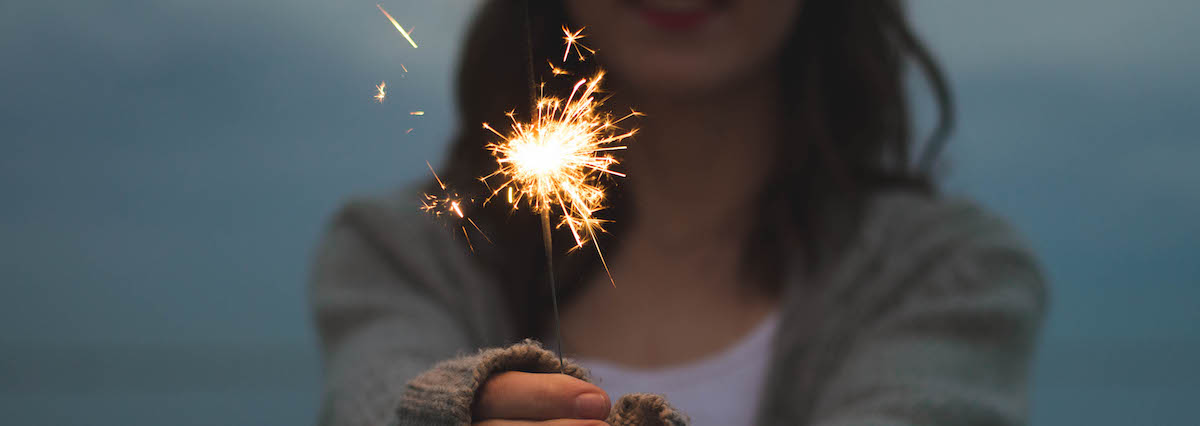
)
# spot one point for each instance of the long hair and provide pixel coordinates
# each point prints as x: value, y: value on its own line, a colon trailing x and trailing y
x: 844, y: 66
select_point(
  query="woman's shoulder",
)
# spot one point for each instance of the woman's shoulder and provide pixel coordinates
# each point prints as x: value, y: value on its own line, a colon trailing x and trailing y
x: 915, y: 222
x: 910, y: 243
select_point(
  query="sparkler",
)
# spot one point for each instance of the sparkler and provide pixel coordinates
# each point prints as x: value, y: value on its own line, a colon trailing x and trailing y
x: 571, y: 39
x: 556, y: 163
x: 407, y: 34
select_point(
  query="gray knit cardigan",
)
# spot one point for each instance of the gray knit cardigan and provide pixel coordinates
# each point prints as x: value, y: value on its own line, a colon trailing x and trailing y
x: 929, y: 318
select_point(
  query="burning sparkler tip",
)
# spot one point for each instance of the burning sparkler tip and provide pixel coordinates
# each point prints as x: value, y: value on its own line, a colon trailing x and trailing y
x: 556, y: 161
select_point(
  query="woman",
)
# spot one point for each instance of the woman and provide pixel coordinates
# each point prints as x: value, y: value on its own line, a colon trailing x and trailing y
x: 776, y: 258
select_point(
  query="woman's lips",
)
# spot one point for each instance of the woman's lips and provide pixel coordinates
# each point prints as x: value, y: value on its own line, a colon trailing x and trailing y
x: 676, y: 20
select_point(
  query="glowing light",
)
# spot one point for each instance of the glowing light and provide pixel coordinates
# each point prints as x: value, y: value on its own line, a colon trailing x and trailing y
x: 556, y: 70
x: 450, y: 203
x: 417, y: 113
x: 571, y: 39
x: 556, y: 162
x: 381, y: 88
x: 403, y: 67
x: 407, y: 34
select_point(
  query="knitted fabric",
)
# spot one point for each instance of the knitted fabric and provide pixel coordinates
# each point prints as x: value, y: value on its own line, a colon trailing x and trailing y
x: 444, y: 394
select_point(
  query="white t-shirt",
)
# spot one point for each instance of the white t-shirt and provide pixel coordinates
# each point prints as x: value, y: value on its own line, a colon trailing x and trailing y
x: 720, y: 390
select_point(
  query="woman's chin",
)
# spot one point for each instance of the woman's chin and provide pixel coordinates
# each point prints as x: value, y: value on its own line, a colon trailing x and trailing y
x: 656, y: 70
x: 672, y: 82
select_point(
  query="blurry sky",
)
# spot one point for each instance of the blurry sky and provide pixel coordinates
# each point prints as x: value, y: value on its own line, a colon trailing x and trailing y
x: 167, y: 166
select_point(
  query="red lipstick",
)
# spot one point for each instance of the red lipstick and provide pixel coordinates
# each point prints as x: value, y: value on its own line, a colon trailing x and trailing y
x: 676, y: 20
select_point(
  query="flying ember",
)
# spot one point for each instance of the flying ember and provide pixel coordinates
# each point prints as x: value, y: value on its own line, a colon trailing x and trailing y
x: 571, y: 39
x: 407, y: 34
x: 381, y: 89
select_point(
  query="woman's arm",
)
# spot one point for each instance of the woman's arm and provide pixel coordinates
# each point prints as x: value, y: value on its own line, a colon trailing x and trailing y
x: 953, y: 346
x: 389, y: 302
x: 397, y: 304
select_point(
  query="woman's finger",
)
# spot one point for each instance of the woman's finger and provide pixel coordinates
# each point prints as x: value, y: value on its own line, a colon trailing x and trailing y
x: 539, y: 396
x: 555, y: 422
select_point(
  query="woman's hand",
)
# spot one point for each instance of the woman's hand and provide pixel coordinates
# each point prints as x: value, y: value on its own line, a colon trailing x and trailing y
x: 548, y: 399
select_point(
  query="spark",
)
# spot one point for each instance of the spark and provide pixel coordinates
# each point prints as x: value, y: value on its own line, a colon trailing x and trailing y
x: 556, y: 70
x: 407, y: 34
x: 381, y: 88
x: 556, y: 162
x: 571, y: 39
x: 450, y: 203
x: 417, y: 113
x: 403, y: 67
x: 408, y: 131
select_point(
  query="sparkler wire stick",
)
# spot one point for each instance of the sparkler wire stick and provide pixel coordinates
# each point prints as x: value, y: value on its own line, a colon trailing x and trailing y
x: 547, y: 242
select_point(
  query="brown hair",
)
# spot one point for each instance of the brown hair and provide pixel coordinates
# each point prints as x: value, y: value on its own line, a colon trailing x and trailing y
x: 845, y: 66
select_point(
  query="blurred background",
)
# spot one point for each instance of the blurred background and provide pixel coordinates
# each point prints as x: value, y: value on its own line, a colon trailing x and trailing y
x: 168, y: 165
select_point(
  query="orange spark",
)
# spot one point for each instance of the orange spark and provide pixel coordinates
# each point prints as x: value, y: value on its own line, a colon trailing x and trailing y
x: 407, y: 34
x: 403, y: 68
x: 381, y: 88
x: 572, y: 40
x: 417, y: 113
x: 556, y: 70
x: 450, y: 203
x: 556, y: 162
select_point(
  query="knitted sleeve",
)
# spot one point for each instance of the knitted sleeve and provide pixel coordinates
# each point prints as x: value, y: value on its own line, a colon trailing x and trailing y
x: 443, y: 395
x: 946, y: 335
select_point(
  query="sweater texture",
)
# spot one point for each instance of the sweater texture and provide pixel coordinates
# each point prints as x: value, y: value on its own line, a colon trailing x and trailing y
x: 443, y: 394
x: 929, y: 317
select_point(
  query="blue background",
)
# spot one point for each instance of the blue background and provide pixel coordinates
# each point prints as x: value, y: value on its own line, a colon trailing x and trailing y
x: 168, y: 165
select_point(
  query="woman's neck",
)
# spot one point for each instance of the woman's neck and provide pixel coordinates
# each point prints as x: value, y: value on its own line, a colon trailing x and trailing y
x: 698, y: 165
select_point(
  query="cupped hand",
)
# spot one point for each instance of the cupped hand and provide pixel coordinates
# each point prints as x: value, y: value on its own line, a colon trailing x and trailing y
x: 547, y: 399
